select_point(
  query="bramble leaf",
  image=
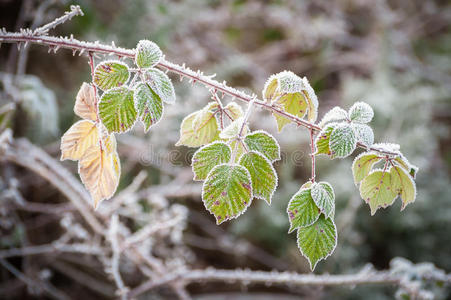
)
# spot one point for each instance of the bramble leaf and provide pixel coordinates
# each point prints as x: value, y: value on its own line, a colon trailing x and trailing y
x: 323, y: 195
x: 117, y: 109
x: 148, y: 54
x: 148, y: 104
x: 323, y: 138
x: 270, y: 89
x: 264, y: 143
x: 342, y: 140
x: 78, y: 138
x: 85, y: 102
x: 402, y: 161
x: 364, y: 133
x: 227, y: 191
x: 263, y: 175
x: 234, y: 110
x: 336, y: 114
x: 209, y: 156
x: 206, y: 129
x: 317, y: 241
x: 294, y: 104
x: 361, y: 112
x: 362, y: 165
x: 377, y: 191
x: 111, y: 74
x: 100, y: 170
x: 312, y: 100
x: 161, y: 84
x: 289, y: 83
x: 232, y: 130
x: 302, y: 210
x: 403, y: 184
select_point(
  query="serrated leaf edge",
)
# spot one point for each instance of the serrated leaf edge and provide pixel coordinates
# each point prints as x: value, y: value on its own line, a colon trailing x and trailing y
x: 271, y: 136
x: 200, y: 149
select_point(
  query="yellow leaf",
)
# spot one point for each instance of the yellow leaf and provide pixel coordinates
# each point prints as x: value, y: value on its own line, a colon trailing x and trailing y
x: 234, y: 110
x: 270, y: 89
x: 100, y: 173
x: 206, y: 129
x: 312, y: 100
x: 85, y: 102
x: 78, y: 139
x: 294, y: 104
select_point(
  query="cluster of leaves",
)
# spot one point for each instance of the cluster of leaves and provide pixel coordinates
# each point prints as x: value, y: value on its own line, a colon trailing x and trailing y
x: 113, y: 105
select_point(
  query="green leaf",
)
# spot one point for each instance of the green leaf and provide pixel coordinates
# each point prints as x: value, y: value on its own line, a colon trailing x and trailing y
x: 209, y: 156
x: 263, y: 175
x: 227, y: 192
x: 148, y: 104
x: 312, y: 100
x: 362, y: 165
x: 323, y: 195
x: 232, y: 130
x: 161, y: 84
x: 364, y: 133
x: 377, y: 191
x: 403, y: 184
x: 334, y: 115
x: 264, y: 143
x: 323, y: 138
x: 111, y: 74
x: 148, y: 54
x: 302, y: 210
x: 239, y: 149
x: 206, y: 129
x: 361, y: 112
x: 117, y: 109
x: 342, y: 140
x: 233, y: 110
x: 402, y: 161
x: 317, y: 241
x: 270, y: 89
x: 294, y: 104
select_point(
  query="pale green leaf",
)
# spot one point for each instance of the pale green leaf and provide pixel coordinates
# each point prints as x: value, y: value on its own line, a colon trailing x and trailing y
x: 206, y: 133
x: 117, y: 109
x: 148, y: 105
x: 148, y: 54
x: 161, y: 84
x: 232, y: 130
x: 362, y: 165
x: 263, y: 175
x: 233, y: 110
x: 209, y: 156
x: 289, y: 83
x: 312, y: 100
x: 302, y: 210
x: 227, y: 192
x: 204, y: 114
x: 342, y: 140
x: 111, y: 74
x: 334, y: 115
x: 323, y: 138
x: 270, y: 89
x: 403, y: 184
x: 361, y: 112
x: 317, y: 241
x: 324, y: 197
x: 264, y: 143
x: 364, y: 133
x: 402, y: 161
x: 377, y: 191
x: 294, y: 104
x: 238, y: 145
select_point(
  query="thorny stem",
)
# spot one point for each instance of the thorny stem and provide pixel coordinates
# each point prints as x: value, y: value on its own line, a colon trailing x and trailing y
x: 312, y: 154
x: 240, y: 133
x: 55, y: 43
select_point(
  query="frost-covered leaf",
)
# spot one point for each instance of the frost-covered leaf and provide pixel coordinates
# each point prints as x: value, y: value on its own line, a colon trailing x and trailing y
x: 362, y: 165
x: 361, y: 112
x: 402, y: 161
x: 207, y: 129
x: 377, y: 191
x: 302, y: 210
x: 148, y: 54
x: 336, y: 114
x: 323, y: 138
x: 264, y: 143
x: 161, y: 84
x: 317, y: 241
x: 204, y: 114
x: 100, y: 171
x: 364, y: 133
x: 209, y: 156
x: 270, y: 89
x: 342, y: 140
x: 238, y: 145
x: 117, y: 109
x: 233, y: 110
x: 232, y: 130
x: 312, y: 100
x: 289, y: 83
x: 85, y: 103
x: 227, y: 192
x: 324, y: 197
x: 78, y: 138
x: 263, y: 175
x: 403, y: 184
x: 294, y: 104
x: 387, y: 147
x: 110, y: 74
x: 148, y: 104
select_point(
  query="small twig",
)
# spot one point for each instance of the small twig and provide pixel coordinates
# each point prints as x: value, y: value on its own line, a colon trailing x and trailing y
x: 112, y: 236
x: 312, y: 154
x: 75, y: 10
